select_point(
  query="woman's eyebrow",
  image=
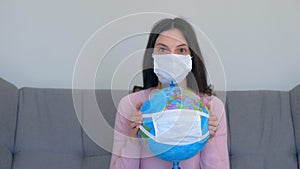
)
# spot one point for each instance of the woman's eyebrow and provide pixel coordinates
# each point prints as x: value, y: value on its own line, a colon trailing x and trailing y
x: 161, y: 44
x: 182, y: 45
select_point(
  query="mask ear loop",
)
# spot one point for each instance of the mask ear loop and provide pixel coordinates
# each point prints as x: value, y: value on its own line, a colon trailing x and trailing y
x: 146, y: 132
x: 203, y: 136
x: 141, y: 127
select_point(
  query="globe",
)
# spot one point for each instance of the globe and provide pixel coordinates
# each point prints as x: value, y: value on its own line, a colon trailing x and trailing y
x: 172, y: 98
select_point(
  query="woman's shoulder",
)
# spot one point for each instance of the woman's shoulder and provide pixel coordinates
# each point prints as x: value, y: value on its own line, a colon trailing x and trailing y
x: 217, y: 101
x: 135, y: 97
x: 214, y: 104
x: 212, y: 100
x: 129, y: 102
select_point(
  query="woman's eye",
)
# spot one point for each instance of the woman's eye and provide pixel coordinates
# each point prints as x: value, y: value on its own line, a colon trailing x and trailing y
x: 182, y: 50
x: 161, y: 49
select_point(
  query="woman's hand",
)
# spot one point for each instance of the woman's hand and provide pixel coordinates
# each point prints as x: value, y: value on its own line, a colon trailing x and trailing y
x: 136, y: 119
x: 213, y: 126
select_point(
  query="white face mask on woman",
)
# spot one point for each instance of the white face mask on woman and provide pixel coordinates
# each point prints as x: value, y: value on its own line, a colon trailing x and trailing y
x: 172, y: 68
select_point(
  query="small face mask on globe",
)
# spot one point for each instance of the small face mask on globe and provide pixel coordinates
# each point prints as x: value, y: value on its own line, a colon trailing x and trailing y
x: 172, y: 68
x: 186, y: 124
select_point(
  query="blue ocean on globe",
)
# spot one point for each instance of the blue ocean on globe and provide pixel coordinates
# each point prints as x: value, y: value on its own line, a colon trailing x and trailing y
x: 169, y: 99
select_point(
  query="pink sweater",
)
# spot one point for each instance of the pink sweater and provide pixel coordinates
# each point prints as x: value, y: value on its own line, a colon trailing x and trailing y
x: 130, y: 153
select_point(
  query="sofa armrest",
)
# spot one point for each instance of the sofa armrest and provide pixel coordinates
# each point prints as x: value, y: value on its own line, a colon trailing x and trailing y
x: 5, y: 158
x: 295, y: 105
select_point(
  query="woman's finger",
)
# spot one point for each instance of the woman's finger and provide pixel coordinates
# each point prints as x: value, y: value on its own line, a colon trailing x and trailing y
x: 139, y: 105
x: 213, y: 129
x: 134, y: 131
x: 136, y: 117
x: 213, y: 126
x: 213, y: 121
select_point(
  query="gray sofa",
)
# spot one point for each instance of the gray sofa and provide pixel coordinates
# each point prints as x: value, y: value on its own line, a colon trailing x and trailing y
x: 39, y: 129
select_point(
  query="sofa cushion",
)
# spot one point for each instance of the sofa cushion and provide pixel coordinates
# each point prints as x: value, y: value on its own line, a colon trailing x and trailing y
x: 8, y: 113
x: 47, y: 122
x: 8, y: 117
x: 94, y: 154
x: 261, y: 130
x: 295, y: 104
x: 5, y: 157
x: 107, y: 101
x: 46, y: 160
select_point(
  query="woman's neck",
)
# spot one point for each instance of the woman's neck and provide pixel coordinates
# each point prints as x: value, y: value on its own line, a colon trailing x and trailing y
x: 182, y: 84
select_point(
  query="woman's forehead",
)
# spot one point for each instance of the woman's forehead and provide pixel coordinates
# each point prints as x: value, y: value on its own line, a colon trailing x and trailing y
x: 171, y: 36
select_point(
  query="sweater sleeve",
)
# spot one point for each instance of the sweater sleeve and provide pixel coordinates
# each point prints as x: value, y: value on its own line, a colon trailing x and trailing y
x: 126, y: 150
x: 215, y: 153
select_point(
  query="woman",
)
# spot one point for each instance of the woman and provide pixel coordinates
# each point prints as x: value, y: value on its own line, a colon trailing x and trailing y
x: 172, y: 39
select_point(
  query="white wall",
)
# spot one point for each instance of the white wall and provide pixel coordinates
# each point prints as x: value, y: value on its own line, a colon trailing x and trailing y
x: 257, y: 41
